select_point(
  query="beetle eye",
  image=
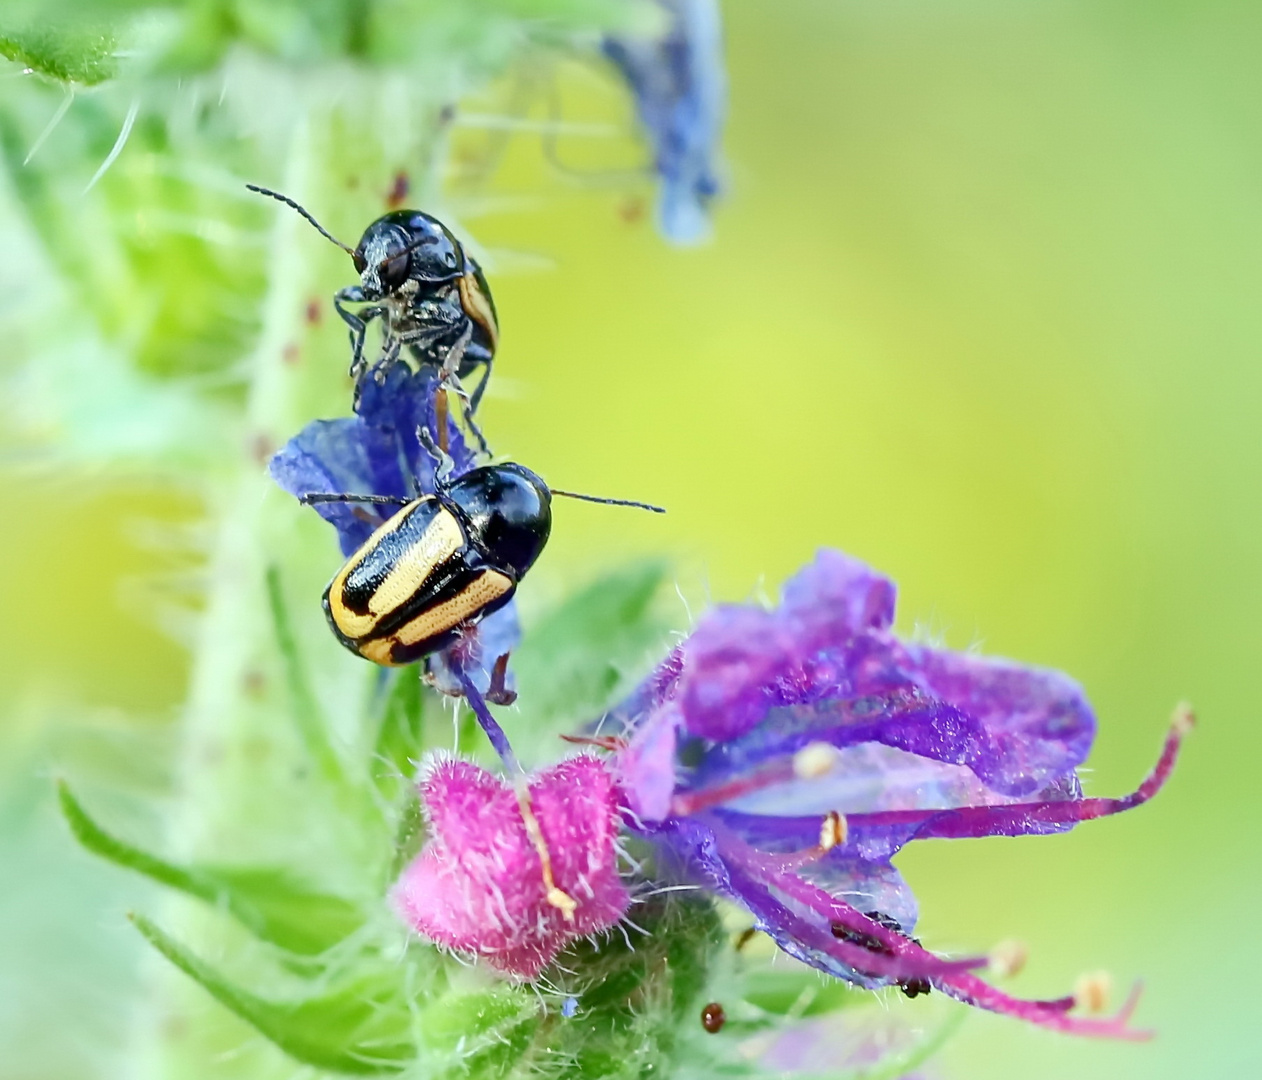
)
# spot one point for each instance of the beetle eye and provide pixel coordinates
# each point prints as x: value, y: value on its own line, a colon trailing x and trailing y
x: 361, y: 264
x: 394, y: 271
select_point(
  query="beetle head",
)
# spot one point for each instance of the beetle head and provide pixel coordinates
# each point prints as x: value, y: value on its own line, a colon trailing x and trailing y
x: 508, y: 510
x: 406, y: 245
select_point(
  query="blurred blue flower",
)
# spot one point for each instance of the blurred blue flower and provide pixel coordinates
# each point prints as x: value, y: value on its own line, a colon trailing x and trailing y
x: 680, y: 90
x: 375, y: 452
x: 781, y: 758
x: 378, y: 451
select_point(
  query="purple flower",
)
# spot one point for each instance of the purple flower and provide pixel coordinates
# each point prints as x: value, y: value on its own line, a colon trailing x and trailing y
x: 480, y: 887
x: 680, y: 93
x: 377, y: 452
x: 374, y: 452
x: 782, y: 758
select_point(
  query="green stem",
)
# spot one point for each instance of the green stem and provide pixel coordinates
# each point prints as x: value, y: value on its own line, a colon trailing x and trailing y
x: 236, y: 759
x: 312, y: 725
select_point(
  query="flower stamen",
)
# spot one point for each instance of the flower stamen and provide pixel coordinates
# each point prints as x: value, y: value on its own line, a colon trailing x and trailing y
x: 612, y: 743
x: 814, y: 760
x: 693, y: 802
x: 556, y: 896
x: 1092, y: 992
x: 833, y: 831
x: 1008, y: 958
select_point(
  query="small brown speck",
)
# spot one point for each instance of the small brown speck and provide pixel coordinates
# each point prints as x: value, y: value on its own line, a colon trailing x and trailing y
x: 713, y: 1018
x: 261, y: 448
x: 291, y: 354
x: 314, y: 312
x: 632, y: 209
x: 253, y: 682
x: 398, y: 192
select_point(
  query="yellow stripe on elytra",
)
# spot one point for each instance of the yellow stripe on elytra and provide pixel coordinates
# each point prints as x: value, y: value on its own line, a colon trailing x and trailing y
x: 478, y: 307
x: 378, y: 651
x: 337, y: 587
x: 484, y: 589
x: 441, y: 539
x: 481, y: 590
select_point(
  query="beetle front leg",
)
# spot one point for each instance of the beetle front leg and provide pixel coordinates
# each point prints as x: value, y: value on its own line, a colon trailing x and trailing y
x: 357, y: 321
x: 389, y: 354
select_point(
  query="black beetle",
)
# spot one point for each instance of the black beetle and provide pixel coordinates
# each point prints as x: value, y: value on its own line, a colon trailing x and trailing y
x: 430, y: 294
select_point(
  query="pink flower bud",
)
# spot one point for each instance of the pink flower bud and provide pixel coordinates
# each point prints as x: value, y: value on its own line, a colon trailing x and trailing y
x: 478, y: 887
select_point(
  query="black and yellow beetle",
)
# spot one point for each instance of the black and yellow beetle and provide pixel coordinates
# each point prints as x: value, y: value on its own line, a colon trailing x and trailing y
x: 430, y: 294
x: 441, y: 562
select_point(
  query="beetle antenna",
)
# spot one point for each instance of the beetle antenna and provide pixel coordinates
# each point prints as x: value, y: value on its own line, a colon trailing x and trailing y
x: 304, y: 212
x: 609, y: 502
x: 313, y: 497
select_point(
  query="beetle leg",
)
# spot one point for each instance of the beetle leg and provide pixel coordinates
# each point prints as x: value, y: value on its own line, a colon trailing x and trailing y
x: 451, y: 362
x: 389, y: 354
x: 447, y: 376
x: 476, y: 400
x: 442, y: 459
x: 498, y: 691
x: 357, y: 321
x: 352, y: 294
x: 476, y: 431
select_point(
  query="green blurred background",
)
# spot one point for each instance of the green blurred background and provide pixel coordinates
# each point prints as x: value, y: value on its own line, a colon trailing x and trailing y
x: 981, y: 308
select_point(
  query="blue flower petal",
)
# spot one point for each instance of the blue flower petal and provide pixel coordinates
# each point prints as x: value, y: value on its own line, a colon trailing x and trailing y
x: 378, y: 452
x: 680, y: 90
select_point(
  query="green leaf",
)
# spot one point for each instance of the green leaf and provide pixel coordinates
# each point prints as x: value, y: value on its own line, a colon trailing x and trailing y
x: 636, y: 994
x: 363, y: 1027
x: 269, y: 902
x: 69, y: 54
x: 487, y: 1033
x: 409, y: 836
x: 804, y: 993
x: 400, y: 742
x: 593, y: 646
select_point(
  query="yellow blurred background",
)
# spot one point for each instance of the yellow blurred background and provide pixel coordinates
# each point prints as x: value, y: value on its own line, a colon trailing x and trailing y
x: 982, y: 309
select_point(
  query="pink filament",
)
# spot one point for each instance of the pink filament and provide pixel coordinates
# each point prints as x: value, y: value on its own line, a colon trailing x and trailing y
x: 903, y: 958
x: 963, y: 821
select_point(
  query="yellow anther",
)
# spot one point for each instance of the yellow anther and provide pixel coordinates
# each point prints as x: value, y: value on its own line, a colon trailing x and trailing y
x: 833, y: 831
x: 555, y: 896
x: 814, y: 760
x: 1092, y: 991
x: 1184, y: 719
x: 559, y: 898
x: 1008, y: 958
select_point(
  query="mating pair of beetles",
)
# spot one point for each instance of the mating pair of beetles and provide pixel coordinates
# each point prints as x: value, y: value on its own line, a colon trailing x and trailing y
x: 443, y: 561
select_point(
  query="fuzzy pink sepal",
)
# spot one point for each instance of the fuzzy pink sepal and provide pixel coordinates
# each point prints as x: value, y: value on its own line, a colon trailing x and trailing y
x: 478, y: 885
